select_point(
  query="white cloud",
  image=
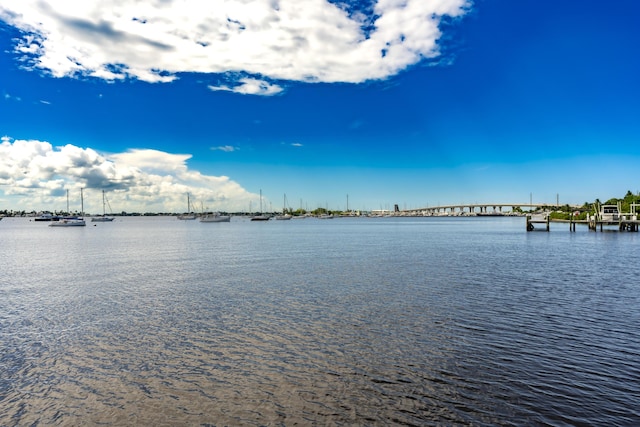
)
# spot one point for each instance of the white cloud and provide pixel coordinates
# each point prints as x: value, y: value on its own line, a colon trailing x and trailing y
x: 9, y: 97
x: 249, y: 86
x: 225, y: 148
x: 267, y: 40
x: 35, y: 175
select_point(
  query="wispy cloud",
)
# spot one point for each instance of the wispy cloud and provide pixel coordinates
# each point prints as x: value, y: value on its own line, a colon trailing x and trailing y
x: 291, y: 144
x: 9, y: 97
x: 263, y: 40
x: 249, y: 86
x: 226, y: 148
x: 36, y: 175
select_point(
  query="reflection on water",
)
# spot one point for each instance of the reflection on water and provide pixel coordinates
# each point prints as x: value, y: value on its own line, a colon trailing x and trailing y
x: 352, y: 321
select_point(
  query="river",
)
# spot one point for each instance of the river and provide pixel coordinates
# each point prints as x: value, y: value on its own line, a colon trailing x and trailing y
x: 346, y: 321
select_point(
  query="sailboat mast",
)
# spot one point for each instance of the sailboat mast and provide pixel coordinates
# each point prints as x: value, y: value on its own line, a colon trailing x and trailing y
x: 261, y: 200
x: 81, y: 203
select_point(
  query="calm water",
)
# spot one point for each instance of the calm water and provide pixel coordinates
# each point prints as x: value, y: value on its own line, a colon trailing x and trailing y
x: 431, y: 321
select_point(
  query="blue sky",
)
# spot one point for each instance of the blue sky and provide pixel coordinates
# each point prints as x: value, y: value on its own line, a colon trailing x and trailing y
x: 412, y: 102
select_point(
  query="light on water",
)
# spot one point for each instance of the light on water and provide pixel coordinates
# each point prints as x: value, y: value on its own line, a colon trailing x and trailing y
x: 390, y: 321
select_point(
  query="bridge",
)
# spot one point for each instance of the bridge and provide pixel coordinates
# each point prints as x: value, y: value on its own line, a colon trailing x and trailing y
x: 472, y: 208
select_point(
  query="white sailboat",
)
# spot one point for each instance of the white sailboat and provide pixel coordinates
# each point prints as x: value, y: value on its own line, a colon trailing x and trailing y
x: 189, y: 215
x: 261, y: 216
x: 72, y: 221
x: 285, y: 215
x: 215, y: 217
x: 104, y: 217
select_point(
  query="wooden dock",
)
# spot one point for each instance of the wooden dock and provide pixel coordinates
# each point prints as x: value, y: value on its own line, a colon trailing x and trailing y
x: 612, y: 215
x: 538, y: 219
x: 623, y: 223
x: 605, y: 216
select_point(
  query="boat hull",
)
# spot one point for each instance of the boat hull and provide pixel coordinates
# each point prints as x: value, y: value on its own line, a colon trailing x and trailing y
x: 217, y: 218
x: 101, y: 219
x: 69, y: 223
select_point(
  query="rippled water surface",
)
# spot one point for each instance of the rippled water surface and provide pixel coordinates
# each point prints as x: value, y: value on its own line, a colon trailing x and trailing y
x: 430, y: 321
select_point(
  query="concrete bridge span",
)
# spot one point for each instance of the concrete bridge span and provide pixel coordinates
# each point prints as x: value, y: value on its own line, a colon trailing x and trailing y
x: 471, y: 208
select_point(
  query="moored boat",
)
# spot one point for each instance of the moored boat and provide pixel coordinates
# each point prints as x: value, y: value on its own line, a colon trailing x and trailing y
x: 215, y: 217
x: 285, y: 216
x: 68, y: 222
x: 261, y: 216
x: 101, y: 219
x: 71, y: 221
x: 189, y: 215
x: 104, y: 217
x: 46, y: 216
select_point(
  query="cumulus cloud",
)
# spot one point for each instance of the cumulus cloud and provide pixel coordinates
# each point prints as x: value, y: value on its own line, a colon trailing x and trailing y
x: 252, y: 44
x: 35, y: 175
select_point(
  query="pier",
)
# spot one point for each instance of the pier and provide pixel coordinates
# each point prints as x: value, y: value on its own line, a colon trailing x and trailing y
x: 605, y: 216
x: 544, y: 218
x: 611, y: 215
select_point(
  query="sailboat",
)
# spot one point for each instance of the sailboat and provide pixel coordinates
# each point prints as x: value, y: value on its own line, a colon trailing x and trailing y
x: 285, y: 215
x: 71, y: 221
x: 189, y: 215
x: 261, y: 216
x: 104, y: 217
x: 215, y: 217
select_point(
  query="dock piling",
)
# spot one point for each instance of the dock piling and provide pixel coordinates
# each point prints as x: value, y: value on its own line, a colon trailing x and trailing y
x: 537, y: 219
